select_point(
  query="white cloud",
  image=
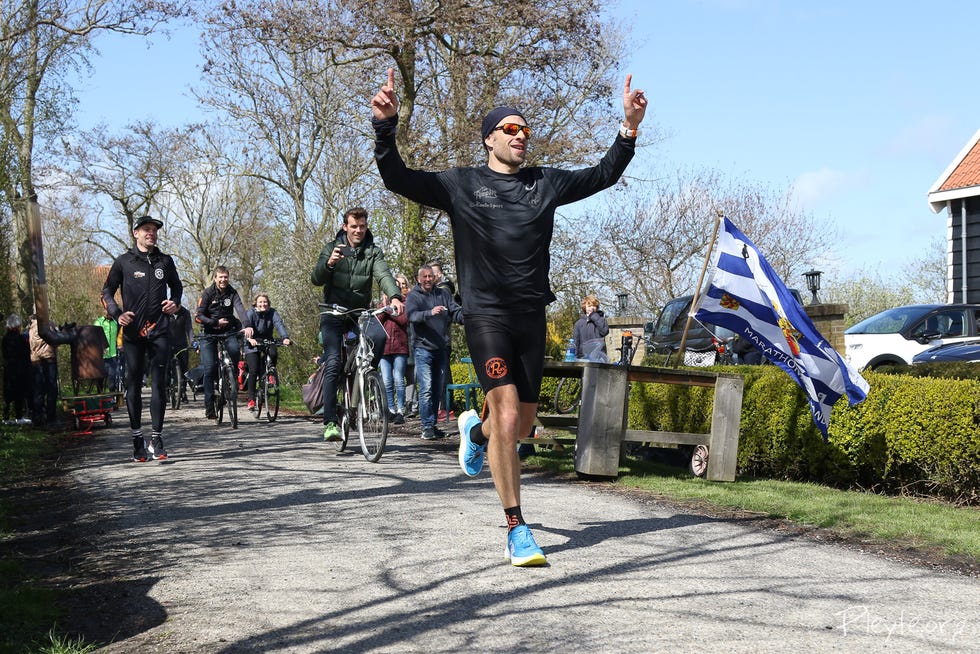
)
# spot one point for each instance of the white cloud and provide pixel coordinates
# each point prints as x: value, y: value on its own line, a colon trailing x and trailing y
x: 931, y: 136
x: 815, y: 187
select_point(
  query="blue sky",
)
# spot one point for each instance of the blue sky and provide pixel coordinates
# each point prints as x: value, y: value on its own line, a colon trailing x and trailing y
x: 859, y: 106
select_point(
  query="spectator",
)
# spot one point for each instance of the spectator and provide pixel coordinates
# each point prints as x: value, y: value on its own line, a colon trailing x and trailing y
x: 447, y: 285
x: 430, y: 310
x: 16, y: 371
x: 111, y: 356
x: 44, y: 361
x: 393, y: 361
x: 590, y: 331
x: 411, y: 401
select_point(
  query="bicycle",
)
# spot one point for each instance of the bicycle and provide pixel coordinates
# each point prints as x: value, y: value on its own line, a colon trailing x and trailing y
x: 226, y: 382
x: 267, y: 386
x: 568, y: 394
x: 176, y: 382
x: 361, y: 392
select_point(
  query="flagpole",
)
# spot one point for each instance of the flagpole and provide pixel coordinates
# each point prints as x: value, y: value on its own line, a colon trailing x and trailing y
x: 697, y: 290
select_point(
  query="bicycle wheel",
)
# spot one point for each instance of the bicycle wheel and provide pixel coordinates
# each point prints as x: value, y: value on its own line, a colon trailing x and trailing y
x: 372, y: 417
x: 568, y: 395
x: 270, y: 394
x: 178, y: 382
x: 219, y: 401
x: 173, y: 385
x: 344, y: 412
x: 231, y: 397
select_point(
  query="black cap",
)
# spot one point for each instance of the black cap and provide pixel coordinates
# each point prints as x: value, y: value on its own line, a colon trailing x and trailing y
x: 142, y: 220
x: 495, y: 116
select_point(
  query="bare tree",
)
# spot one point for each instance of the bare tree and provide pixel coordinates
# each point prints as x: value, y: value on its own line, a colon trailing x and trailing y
x: 456, y: 60
x: 128, y: 169
x: 866, y: 292
x: 39, y: 41
x: 651, y: 240
x: 216, y: 215
x: 293, y: 108
x: 926, y: 275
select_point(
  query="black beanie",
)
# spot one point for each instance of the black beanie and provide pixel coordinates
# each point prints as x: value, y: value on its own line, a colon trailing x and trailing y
x: 495, y: 116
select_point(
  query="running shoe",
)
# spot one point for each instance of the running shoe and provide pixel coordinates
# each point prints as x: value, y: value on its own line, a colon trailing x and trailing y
x: 399, y: 419
x: 251, y: 405
x: 331, y: 432
x: 429, y: 434
x: 521, y: 548
x: 139, y: 449
x: 470, y: 454
x: 438, y: 432
x: 156, y: 448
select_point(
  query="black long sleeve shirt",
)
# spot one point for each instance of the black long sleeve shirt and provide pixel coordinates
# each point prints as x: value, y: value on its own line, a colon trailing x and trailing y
x: 145, y: 278
x: 502, y: 224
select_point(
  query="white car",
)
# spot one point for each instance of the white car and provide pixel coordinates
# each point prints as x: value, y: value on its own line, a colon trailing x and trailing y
x: 896, y: 335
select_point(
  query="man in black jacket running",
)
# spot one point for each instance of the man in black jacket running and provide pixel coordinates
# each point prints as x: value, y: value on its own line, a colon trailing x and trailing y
x: 146, y: 275
x: 502, y: 215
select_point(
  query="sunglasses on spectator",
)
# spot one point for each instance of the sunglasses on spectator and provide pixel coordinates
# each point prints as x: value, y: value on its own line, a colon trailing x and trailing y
x: 511, y: 129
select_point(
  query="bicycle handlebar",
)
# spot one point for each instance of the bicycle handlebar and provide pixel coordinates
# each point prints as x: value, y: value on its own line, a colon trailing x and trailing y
x: 337, y: 310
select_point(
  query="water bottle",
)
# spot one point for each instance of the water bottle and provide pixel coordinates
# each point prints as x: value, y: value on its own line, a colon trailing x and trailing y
x: 570, y: 350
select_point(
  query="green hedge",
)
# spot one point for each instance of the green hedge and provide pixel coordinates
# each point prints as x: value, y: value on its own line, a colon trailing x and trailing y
x: 918, y: 436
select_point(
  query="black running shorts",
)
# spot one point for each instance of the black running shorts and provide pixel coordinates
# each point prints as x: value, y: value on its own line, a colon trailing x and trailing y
x: 508, y: 349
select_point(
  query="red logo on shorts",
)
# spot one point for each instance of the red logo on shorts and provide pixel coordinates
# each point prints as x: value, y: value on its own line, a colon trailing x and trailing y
x: 496, y: 368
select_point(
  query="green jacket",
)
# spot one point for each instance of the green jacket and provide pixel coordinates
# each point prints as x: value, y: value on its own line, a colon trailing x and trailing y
x: 350, y: 282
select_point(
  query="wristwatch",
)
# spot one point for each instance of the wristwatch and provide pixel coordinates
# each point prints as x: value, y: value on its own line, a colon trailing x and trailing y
x: 628, y: 133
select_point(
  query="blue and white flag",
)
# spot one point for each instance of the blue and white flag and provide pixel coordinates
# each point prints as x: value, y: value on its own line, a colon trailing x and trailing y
x: 748, y: 297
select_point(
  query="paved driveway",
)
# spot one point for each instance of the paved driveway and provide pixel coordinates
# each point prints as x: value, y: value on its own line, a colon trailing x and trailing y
x: 265, y: 539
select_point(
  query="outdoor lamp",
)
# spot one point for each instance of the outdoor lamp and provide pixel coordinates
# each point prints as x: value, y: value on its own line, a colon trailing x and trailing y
x: 813, y: 283
x: 621, y: 300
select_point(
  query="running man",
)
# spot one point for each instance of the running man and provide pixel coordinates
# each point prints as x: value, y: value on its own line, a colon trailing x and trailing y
x: 146, y: 275
x: 502, y: 217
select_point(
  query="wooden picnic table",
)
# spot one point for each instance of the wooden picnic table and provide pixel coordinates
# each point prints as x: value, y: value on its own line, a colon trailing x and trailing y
x: 601, y: 427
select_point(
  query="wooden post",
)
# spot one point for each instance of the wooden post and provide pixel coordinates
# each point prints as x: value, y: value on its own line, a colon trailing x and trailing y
x: 602, y: 419
x: 726, y: 417
x: 37, y: 276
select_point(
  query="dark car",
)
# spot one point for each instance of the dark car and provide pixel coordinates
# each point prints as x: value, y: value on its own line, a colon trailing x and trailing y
x: 966, y: 351
x: 664, y: 335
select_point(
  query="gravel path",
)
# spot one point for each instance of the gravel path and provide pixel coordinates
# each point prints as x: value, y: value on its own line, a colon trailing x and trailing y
x: 265, y: 539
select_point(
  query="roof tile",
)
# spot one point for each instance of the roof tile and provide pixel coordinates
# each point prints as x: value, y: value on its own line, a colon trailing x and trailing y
x: 967, y: 173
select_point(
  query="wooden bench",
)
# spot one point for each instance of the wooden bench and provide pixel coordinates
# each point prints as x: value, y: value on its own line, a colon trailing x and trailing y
x: 601, y: 426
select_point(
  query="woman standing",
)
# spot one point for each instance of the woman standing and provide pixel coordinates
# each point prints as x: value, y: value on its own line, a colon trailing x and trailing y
x: 590, y: 332
x: 395, y: 357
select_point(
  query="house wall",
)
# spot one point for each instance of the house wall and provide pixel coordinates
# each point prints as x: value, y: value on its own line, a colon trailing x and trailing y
x: 954, y: 254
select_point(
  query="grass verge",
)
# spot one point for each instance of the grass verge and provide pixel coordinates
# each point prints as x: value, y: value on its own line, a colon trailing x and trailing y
x: 920, y: 529
x: 28, y: 606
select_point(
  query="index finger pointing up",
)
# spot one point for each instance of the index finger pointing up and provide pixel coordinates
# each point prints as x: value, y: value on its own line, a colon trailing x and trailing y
x: 626, y: 85
x: 391, y: 79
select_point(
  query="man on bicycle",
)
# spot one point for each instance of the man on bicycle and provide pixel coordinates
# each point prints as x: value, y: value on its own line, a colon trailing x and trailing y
x: 502, y: 216
x: 347, y: 269
x: 146, y: 275
x: 216, y: 313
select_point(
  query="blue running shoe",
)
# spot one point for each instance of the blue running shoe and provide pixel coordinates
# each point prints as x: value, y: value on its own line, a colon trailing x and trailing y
x: 470, y: 455
x: 521, y: 548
